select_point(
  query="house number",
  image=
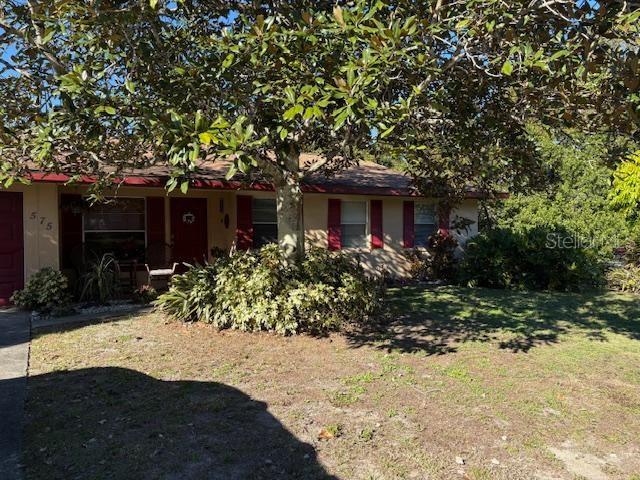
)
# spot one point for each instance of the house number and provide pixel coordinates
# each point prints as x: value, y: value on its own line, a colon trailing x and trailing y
x: 42, y: 220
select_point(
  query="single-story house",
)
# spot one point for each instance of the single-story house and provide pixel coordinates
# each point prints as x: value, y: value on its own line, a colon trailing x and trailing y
x: 367, y: 209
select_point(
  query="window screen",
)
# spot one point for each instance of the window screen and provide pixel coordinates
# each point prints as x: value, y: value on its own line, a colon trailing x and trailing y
x: 425, y: 223
x: 265, y: 222
x: 354, y: 224
x: 117, y: 227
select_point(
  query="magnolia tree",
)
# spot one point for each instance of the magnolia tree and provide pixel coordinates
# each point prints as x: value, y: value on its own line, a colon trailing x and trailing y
x: 99, y: 87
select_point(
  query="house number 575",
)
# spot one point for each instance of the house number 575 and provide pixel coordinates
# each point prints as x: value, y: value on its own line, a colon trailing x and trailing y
x: 42, y: 220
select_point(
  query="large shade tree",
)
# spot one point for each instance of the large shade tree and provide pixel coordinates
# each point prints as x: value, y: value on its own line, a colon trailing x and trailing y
x: 96, y: 87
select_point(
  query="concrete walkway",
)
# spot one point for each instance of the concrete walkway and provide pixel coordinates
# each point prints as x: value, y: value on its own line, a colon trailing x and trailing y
x: 14, y: 358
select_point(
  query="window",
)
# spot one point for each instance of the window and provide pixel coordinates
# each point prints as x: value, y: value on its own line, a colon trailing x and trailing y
x: 117, y: 227
x: 265, y: 222
x: 353, y: 224
x: 425, y: 223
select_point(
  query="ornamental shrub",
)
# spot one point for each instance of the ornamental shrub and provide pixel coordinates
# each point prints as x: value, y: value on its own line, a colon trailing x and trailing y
x: 46, y: 292
x: 535, y: 258
x: 624, y: 279
x: 258, y: 290
x: 437, y: 262
x: 145, y: 294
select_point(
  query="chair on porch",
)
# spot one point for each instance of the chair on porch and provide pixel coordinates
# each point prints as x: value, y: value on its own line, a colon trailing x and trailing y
x: 158, y: 262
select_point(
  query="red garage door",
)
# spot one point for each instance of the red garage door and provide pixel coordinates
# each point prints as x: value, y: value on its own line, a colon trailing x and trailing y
x: 11, y: 245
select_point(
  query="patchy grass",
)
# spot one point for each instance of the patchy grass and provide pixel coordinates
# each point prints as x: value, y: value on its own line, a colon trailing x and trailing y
x: 462, y: 383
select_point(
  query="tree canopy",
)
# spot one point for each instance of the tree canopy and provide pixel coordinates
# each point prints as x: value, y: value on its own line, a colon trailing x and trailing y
x: 452, y: 85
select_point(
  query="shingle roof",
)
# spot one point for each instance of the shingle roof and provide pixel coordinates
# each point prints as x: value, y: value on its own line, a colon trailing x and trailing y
x: 362, y: 178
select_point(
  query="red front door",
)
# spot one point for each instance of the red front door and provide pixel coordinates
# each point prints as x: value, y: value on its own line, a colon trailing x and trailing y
x: 11, y: 245
x: 189, y: 229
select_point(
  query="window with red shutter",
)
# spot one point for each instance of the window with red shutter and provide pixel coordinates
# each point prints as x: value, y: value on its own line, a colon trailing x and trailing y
x: 334, y: 232
x: 377, y: 240
x: 244, y: 227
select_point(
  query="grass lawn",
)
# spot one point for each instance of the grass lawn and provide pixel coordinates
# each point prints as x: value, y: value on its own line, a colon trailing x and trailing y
x: 469, y: 384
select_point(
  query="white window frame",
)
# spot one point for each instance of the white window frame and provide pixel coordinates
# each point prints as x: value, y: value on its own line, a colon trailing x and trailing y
x: 253, y: 222
x: 144, y: 212
x: 415, y: 223
x: 367, y: 241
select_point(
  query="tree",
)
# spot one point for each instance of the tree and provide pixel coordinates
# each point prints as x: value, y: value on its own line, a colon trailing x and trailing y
x: 122, y: 83
x: 625, y: 195
x: 578, y: 169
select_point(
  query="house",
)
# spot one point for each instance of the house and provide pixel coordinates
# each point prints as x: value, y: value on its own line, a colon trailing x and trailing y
x: 367, y: 209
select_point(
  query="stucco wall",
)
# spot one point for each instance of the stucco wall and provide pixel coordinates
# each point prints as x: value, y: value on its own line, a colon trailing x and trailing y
x: 41, y: 221
x: 391, y: 258
x: 41, y: 226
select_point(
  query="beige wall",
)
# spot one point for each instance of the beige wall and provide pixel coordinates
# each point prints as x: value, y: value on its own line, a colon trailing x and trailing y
x: 41, y: 226
x: 41, y: 220
x: 391, y: 258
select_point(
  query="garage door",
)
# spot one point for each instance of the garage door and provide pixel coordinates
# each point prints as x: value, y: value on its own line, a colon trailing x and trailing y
x: 11, y: 245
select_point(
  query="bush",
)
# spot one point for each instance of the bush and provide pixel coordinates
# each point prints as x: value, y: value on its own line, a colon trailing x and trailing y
x: 624, y: 279
x: 438, y: 262
x: 47, y: 292
x: 258, y: 291
x: 529, y: 259
x: 101, y: 282
x: 145, y: 294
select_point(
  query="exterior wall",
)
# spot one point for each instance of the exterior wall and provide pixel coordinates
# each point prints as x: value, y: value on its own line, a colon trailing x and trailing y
x: 41, y: 223
x: 391, y: 258
x: 41, y: 226
x: 219, y: 204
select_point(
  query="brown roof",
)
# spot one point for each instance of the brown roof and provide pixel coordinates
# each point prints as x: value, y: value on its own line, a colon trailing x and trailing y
x: 361, y: 178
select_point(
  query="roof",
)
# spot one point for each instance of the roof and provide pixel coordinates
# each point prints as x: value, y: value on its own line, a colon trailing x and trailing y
x: 363, y: 178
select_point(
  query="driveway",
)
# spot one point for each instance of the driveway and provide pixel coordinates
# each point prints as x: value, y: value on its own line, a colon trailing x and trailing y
x: 14, y: 357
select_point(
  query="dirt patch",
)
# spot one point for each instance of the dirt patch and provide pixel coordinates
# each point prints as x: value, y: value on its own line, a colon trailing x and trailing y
x: 148, y: 398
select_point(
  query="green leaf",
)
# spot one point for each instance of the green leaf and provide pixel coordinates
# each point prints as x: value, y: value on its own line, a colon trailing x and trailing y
x: 507, y: 68
x: 283, y: 133
x: 184, y: 186
x: 231, y: 172
x: 153, y: 3
x: 387, y: 132
x: 292, y: 112
x: 48, y: 35
x: 206, y: 138
x: 108, y: 109
x: 130, y: 86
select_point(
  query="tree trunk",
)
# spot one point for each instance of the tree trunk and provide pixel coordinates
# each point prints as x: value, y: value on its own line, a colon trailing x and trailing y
x: 289, y: 203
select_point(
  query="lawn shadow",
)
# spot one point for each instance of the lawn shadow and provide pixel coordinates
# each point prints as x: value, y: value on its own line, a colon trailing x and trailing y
x: 436, y: 320
x: 119, y: 424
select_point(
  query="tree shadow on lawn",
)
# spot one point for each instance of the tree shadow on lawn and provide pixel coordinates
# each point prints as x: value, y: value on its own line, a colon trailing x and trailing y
x: 434, y: 320
x: 120, y: 424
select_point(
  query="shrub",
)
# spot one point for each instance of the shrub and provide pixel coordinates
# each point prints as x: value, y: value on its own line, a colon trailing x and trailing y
x: 529, y: 259
x: 258, y: 291
x: 438, y: 262
x: 145, y: 294
x: 47, y: 291
x: 101, y: 282
x: 624, y: 279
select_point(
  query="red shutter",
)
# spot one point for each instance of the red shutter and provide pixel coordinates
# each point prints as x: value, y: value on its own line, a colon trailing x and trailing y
x: 155, y: 221
x: 408, y: 224
x: 244, y: 229
x: 333, y: 225
x: 443, y: 220
x: 70, y: 227
x: 376, y: 224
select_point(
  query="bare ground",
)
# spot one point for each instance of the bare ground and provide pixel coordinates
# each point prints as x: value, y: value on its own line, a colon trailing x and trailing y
x: 461, y: 384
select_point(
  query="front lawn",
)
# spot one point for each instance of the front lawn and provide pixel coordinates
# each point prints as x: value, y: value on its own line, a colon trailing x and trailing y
x: 473, y: 384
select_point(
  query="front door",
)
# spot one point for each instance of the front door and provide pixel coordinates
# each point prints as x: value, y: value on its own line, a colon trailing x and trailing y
x: 11, y: 245
x: 189, y: 229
